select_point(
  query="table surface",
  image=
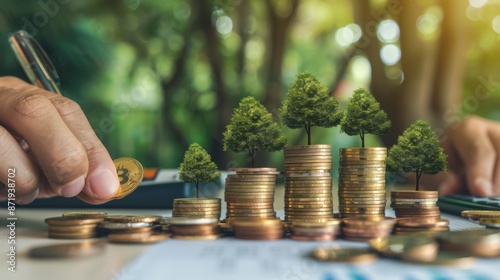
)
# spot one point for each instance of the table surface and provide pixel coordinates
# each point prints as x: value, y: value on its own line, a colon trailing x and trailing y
x: 31, y: 231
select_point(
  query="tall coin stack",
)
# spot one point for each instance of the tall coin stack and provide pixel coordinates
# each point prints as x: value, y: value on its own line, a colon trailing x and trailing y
x: 250, y: 193
x: 207, y: 208
x: 362, y: 182
x: 419, y: 205
x: 308, y: 183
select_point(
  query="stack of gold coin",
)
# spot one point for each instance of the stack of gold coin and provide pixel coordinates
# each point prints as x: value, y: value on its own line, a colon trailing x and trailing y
x: 194, y: 228
x: 197, y: 208
x: 419, y: 205
x: 477, y: 215
x: 314, y: 231
x: 308, y: 183
x: 427, y: 227
x: 133, y: 229
x: 258, y: 229
x: 362, y: 182
x: 477, y: 242
x: 75, y: 225
x: 250, y: 193
x: 366, y: 228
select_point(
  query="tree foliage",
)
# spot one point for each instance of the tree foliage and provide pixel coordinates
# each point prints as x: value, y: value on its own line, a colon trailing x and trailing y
x: 198, y: 167
x: 417, y: 150
x: 309, y: 104
x: 364, y: 116
x: 252, y: 129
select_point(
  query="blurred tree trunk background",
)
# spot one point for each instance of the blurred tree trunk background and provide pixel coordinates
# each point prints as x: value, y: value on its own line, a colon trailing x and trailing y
x: 154, y: 76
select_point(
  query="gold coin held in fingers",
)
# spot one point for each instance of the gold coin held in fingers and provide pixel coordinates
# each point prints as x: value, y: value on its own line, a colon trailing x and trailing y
x: 130, y: 173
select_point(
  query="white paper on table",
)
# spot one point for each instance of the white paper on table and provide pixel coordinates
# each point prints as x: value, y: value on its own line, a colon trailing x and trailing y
x: 286, y: 259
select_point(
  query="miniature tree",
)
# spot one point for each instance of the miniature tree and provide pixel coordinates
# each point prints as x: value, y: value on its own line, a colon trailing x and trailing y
x: 308, y: 104
x: 252, y: 129
x: 198, y: 167
x: 418, y: 151
x: 364, y: 116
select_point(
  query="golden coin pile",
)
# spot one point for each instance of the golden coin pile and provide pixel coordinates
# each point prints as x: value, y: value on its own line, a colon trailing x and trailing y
x: 308, y: 183
x: 483, y: 243
x: 366, y: 228
x: 133, y: 229
x: 313, y: 231
x: 419, y: 205
x: 427, y: 227
x: 197, y: 208
x: 250, y: 193
x: 362, y: 182
x: 194, y: 228
x: 493, y: 223
x: 258, y: 229
x: 75, y: 225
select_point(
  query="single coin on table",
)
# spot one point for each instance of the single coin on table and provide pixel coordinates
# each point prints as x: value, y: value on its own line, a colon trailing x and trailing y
x: 353, y: 255
x: 130, y: 174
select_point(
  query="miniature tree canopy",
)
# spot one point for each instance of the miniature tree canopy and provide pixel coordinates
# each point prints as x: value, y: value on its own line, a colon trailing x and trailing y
x: 252, y: 129
x: 364, y: 116
x: 308, y: 104
x: 417, y: 150
x: 198, y: 167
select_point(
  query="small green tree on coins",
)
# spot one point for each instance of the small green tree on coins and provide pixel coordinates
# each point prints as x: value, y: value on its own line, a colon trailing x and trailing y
x: 252, y: 129
x: 364, y: 116
x: 198, y: 167
x: 308, y: 104
x: 417, y: 150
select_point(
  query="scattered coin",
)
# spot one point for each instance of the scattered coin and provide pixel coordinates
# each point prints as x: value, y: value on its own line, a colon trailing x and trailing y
x: 352, y: 255
x: 410, y: 248
x: 478, y: 242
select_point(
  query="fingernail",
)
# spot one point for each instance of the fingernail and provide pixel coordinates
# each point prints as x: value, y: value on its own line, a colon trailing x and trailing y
x: 103, y: 183
x: 74, y: 187
x: 485, y: 185
x: 28, y: 199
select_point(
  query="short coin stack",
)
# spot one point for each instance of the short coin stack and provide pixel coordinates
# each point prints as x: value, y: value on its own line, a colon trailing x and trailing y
x: 133, y: 229
x: 427, y: 227
x: 418, y: 205
x: 258, y: 229
x: 250, y: 193
x: 75, y: 225
x: 362, y: 182
x: 308, y: 183
x: 366, y: 228
x: 193, y: 228
x: 197, y: 208
x: 311, y: 231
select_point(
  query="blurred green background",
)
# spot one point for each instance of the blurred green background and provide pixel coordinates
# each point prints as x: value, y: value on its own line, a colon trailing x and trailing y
x: 154, y: 76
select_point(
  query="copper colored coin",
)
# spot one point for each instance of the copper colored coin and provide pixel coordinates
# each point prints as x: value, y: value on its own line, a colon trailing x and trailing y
x: 72, y: 235
x: 354, y: 255
x: 72, y: 221
x: 408, y: 222
x: 86, y: 214
x: 197, y: 237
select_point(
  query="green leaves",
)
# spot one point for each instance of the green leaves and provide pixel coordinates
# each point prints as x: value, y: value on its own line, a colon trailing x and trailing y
x: 309, y: 104
x: 364, y: 116
x: 418, y: 151
x: 198, y: 166
x: 252, y: 129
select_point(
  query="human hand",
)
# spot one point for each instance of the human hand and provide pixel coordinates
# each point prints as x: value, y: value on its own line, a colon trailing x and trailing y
x: 48, y: 140
x: 473, y: 149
